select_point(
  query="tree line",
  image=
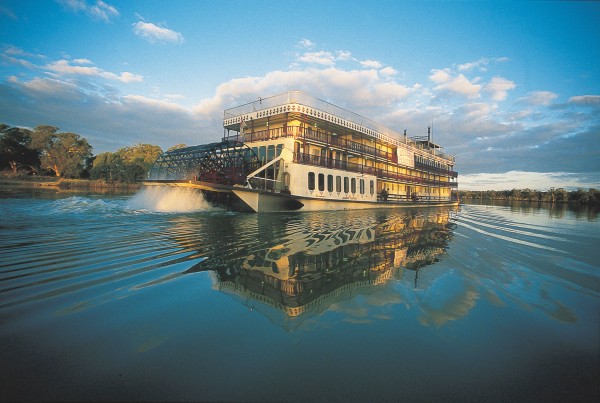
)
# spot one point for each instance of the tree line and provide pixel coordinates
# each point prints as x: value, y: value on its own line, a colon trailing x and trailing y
x: 47, y: 151
x: 559, y: 195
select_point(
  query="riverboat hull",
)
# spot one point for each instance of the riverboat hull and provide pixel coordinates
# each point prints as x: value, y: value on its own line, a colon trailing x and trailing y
x: 262, y: 201
x: 266, y: 202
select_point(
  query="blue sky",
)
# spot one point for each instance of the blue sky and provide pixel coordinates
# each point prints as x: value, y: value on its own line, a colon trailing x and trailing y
x: 511, y: 88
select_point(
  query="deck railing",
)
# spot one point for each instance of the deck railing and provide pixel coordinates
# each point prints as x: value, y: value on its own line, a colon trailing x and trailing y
x: 325, y: 162
x: 323, y: 138
x: 302, y: 98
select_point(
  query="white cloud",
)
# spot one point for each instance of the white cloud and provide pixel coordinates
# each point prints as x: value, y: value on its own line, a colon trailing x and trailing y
x: 155, y: 34
x: 448, y: 80
x: 371, y: 64
x: 306, y: 43
x: 388, y: 71
x: 481, y: 64
x: 476, y: 64
x: 363, y: 88
x: 158, y: 104
x: 76, y: 67
x: 540, y: 98
x: 476, y: 111
x: 585, y: 100
x: 64, y: 67
x: 440, y: 76
x: 14, y: 51
x: 499, y: 87
x: 458, y: 85
x: 461, y: 85
x: 522, y: 179
x: 52, y: 87
x: 19, y: 62
x: 322, y: 58
x: 343, y: 55
x: 98, y: 10
x: 82, y: 61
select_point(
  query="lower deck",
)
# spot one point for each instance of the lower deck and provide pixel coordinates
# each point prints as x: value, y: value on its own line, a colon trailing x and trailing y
x: 244, y: 199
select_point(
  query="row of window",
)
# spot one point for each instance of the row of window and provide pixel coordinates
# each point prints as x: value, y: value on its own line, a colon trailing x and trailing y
x: 267, y: 153
x: 349, y: 184
x: 432, y: 163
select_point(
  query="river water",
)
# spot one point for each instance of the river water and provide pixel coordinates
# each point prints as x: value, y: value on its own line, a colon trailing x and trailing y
x: 160, y: 296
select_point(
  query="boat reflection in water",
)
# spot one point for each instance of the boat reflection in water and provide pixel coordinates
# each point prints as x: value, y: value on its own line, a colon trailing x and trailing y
x: 307, y: 273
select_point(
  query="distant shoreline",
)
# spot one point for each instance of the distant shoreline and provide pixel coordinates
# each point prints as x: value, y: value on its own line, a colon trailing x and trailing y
x: 98, y: 186
x: 580, y: 196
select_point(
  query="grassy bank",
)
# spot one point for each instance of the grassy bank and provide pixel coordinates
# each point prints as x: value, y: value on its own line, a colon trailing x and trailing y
x: 98, y: 186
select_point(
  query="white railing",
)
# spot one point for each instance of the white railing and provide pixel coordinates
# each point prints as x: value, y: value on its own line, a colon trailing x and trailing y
x: 348, y: 119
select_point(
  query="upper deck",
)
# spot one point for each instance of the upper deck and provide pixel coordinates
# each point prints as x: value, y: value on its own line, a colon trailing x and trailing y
x: 300, y: 102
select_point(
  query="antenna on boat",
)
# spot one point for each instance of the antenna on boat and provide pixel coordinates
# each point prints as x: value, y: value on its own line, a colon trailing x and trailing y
x: 431, y: 136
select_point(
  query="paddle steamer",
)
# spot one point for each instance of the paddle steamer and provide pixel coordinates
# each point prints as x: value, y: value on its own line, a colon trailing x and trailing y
x: 296, y: 152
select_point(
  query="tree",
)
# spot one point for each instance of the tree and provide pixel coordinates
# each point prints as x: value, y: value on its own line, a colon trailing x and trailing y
x: 561, y: 195
x: 66, y: 154
x: 128, y: 164
x: 107, y: 166
x: 42, y: 137
x: 137, y: 160
x: 14, y: 149
x: 142, y: 154
x: 176, y: 146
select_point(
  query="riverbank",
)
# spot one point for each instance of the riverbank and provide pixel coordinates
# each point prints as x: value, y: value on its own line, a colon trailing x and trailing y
x: 580, y: 196
x: 84, y: 185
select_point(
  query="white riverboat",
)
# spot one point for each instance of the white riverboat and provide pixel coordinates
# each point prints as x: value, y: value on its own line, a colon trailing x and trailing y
x: 296, y: 152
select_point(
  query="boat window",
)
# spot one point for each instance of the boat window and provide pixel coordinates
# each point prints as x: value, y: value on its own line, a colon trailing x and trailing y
x: 372, y: 188
x: 321, y: 182
x: 270, y: 153
x: 311, y: 181
x: 353, y: 185
x: 262, y: 154
x: 346, y: 188
x: 279, y: 148
x: 330, y: 183
x: 362, y: 186
x: 338, y: 184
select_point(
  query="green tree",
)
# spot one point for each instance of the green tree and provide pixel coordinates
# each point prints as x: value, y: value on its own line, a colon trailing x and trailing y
x: 107, y: 166
x: 42, y: 137
x: 14, y: 149
x: 143, y: 154
x: 128, y: 164
x: 580, y: 196
x: 561, y: 195
x: 594, y: 195
x: 66, y: 154
x: 137, y: 160
x: 176, y: 146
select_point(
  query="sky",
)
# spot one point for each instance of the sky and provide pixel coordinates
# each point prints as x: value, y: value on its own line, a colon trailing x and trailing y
x: 511, y: 88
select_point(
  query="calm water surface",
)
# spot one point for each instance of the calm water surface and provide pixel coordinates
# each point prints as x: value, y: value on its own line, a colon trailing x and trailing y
x: 135, y: 298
